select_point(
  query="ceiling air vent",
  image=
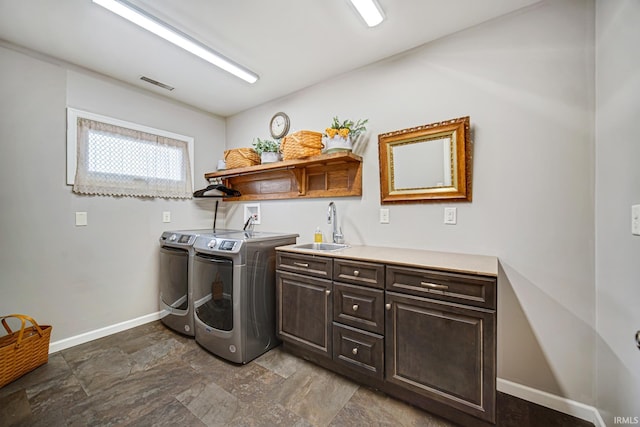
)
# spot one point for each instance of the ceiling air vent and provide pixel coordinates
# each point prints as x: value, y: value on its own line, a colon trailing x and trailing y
x: 157, y: 83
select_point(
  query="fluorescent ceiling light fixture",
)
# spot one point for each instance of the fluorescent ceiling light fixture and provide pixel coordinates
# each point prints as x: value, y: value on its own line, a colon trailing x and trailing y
x: 175, y: 36
x: 369, y: 10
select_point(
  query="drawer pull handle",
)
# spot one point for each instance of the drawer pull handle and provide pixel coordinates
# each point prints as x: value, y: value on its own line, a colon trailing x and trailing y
x: 355, y: 350
x: 387, y: 306
x: 355, y: 307
x: 301, y: 264
x: 434, y: 286
x: 356, y: 273
x: 328, y: 292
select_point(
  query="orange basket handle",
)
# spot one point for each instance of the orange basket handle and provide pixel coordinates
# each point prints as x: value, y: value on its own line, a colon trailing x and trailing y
x: 23, y: 318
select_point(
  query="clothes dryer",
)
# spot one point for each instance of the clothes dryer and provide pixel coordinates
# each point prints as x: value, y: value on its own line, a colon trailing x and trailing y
x: 234, y: 293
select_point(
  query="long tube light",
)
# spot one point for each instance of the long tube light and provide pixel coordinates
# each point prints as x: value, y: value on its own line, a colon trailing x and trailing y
x: 369, y: 10
x: 175, y: 36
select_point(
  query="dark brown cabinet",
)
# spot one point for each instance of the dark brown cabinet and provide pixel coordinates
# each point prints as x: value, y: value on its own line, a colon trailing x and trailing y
x: 358, y: 316
x: 442, y: 351
x: 423, y: 335
x: 304, y: 307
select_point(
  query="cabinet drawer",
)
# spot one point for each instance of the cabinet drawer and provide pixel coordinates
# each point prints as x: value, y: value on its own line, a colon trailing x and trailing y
x: 359, y: 350
x: 467, y: 289
x: 359, y: 273
x: 359, y: 307
x: 305, y: 264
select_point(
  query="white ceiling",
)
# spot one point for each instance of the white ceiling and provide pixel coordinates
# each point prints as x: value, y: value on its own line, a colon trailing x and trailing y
x: 290, y: 44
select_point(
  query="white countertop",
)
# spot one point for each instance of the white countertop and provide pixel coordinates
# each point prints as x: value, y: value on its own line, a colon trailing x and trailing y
x: 447, y: 261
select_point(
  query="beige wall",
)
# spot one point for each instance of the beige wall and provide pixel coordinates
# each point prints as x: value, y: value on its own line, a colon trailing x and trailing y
x: 617, y: 188
x: 81, y: 279
x: 526, y: 80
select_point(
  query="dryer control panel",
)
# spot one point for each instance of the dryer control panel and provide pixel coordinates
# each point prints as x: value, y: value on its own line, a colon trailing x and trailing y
x: 210, y: 245
x: 227, y: 245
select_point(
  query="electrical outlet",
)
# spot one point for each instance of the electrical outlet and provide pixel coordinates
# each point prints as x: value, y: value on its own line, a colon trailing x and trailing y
x: 450, y: 216
x: 166, y: 216
x: 384, y: 216
x: 81, y: 219
x: 635, y: 220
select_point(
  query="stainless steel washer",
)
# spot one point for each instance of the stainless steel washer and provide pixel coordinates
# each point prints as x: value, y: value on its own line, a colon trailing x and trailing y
x: 176, y: 295
x: 234, y: 293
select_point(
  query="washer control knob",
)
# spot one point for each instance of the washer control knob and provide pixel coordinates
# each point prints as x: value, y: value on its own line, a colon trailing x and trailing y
x: 212, y: 244
x: 173, y: 237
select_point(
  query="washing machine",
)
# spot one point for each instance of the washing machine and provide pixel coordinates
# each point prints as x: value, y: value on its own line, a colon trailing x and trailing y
x: 176, y: 258
x: 234, y: 293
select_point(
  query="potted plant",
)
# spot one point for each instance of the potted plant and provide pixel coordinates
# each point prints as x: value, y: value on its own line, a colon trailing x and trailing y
x: 268, y: 150
x: 341, y: 135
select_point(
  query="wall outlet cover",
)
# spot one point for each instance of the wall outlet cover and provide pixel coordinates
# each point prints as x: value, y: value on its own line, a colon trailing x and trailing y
x: 450, y: 216
x: 166, y: 216
x: 635, y: 220
x: 384, y: 216
x: 81, y: 219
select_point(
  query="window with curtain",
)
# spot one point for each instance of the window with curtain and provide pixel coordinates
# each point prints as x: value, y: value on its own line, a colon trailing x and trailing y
x: 116, y: 160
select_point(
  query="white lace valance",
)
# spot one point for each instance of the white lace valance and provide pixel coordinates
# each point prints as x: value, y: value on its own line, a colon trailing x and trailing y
x: 118, y: 161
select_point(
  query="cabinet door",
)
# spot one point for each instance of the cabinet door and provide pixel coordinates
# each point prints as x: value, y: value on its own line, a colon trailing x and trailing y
x: 443, y: 351
x: 304, y: 307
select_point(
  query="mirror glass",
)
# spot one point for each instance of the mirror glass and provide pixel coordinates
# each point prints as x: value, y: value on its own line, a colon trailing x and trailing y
x: 422, y: 164
x: 426, y: 163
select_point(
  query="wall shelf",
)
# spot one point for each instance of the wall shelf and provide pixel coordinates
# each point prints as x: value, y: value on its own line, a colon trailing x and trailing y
x: 326, y: 175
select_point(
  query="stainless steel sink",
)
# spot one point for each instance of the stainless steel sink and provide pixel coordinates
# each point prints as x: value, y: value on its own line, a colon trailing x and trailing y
x: 321, y: 246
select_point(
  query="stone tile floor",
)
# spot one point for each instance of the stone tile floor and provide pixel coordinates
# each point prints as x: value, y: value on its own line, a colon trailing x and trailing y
x: 151, y: 376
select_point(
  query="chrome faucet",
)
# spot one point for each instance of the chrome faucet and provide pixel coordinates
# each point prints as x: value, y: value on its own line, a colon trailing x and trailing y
x: 332, y: 218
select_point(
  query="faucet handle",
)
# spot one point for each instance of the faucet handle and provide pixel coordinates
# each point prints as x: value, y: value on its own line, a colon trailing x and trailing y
x: 338, y: 237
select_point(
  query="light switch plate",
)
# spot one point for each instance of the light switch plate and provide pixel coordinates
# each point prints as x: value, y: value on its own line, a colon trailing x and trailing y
x: 384, y: 216
x: 450, y: 216
x: 635, y: 220
x: 81, y: 219
x: 166, y: 216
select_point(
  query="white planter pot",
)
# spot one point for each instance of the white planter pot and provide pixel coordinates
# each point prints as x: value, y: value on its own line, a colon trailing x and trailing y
x: 337, y: 143
x: 270, y: 157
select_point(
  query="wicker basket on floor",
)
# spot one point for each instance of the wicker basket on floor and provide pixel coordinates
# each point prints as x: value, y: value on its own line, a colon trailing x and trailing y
x: 301, y: 144
x: 24, y: 350
x: 241, y: 157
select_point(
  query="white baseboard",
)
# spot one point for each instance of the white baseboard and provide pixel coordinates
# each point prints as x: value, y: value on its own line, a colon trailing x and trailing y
x: 548, y: 400
x: 102, y: 332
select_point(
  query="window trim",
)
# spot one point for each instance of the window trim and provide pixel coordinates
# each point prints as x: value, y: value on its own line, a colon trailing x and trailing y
x: 72, y: 137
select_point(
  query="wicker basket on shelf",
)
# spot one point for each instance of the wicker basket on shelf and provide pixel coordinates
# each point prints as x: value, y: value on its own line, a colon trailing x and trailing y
x: 301, y: 144
x: 241, y: 157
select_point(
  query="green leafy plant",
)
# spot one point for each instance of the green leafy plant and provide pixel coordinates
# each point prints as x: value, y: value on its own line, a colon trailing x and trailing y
x: 266, y: 146
x: 346, y: 128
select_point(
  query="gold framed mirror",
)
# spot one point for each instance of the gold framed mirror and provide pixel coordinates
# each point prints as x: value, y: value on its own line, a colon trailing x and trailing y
x: 429, y: 163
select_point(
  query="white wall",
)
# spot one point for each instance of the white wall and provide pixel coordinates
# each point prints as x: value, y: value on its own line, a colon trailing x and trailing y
x: 82, y: 278
x: 526, y: 80
x: 617, y: 188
